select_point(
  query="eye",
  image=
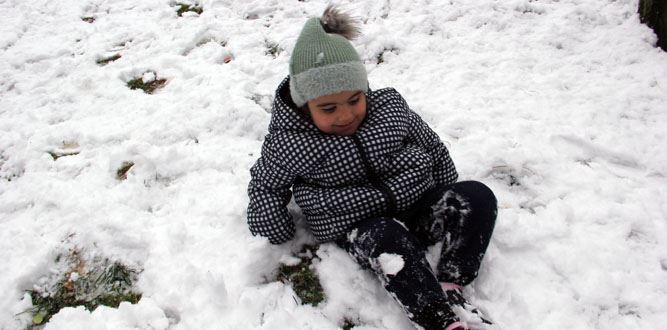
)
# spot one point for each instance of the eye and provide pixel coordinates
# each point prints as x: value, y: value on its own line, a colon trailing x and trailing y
x: 328, y: 109
x: 354, y: 101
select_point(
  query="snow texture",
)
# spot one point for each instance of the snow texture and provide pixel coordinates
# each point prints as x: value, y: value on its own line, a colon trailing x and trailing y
x: 558, y: 106
x: 391, y: 263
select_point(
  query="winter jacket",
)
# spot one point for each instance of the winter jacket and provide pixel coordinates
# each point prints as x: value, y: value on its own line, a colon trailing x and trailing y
x: 337, y: 181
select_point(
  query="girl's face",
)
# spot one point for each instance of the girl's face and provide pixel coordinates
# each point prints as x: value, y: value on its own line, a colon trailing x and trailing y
x: 340, y: 113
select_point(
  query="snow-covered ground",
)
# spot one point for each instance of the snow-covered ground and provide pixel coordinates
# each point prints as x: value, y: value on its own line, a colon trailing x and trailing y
x: 559, y: 106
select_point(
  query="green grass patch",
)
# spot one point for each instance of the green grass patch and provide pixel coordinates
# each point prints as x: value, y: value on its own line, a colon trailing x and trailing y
x: 100, y: 282
x: 184, y: 8
x: 304, y: 280
x: 107, y: 60
x: 149, y: 87
x: 272, y: 48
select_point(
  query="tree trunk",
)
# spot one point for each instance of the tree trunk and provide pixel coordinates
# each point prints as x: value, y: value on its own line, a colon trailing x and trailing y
x: 654, y: 14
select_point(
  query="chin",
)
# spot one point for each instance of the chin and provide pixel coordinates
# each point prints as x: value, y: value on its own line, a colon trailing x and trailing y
x: 346, y: 132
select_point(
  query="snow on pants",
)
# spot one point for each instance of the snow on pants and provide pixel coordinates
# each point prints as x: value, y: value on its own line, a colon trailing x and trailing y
x: 461, y: 215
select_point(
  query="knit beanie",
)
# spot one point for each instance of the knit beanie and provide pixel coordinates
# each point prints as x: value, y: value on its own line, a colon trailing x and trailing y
x: 324, y: 61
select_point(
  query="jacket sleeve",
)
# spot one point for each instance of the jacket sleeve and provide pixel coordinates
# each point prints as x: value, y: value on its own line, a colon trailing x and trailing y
x: 269, y: 193
x: 444, y: 171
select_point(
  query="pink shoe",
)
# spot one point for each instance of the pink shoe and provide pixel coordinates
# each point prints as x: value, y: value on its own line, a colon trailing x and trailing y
x: 447, y: 286
x: 457, y: 326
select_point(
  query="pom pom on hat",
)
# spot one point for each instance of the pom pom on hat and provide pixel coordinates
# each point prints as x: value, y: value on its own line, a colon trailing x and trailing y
x: 335, y: 21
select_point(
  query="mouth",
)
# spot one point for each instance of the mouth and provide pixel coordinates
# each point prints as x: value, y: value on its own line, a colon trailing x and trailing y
x: 347, y: 129
x: 346, y: 125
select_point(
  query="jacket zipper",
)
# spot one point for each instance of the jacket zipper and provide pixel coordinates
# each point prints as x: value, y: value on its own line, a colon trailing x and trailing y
x: 374, y: 178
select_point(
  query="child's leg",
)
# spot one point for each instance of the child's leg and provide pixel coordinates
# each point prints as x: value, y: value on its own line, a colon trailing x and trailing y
x: 378, y: 242
x: 469, y: 231
x: 462, y: 215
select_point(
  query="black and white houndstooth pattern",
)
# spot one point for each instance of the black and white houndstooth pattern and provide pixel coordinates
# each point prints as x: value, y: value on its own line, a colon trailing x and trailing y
x: 329, y: 174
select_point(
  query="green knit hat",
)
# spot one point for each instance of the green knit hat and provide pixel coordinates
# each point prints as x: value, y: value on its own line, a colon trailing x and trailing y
x: 324, y: 61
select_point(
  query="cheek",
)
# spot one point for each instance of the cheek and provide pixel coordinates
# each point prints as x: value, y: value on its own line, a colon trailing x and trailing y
x: 322, y: 122
x: 360, y: 109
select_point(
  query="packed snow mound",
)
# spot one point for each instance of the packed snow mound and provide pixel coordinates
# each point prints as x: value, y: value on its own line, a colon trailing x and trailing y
x: 558, y: 106
x: 391, y: 263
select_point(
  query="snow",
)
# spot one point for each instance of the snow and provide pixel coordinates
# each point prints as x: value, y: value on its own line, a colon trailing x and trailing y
x: 559, y: 106
x: 390, y: 263
x: 144, y: 315
x: 148, y: 77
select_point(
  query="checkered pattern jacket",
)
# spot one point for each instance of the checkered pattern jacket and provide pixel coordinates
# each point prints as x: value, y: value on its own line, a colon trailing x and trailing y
x: 383, y: 169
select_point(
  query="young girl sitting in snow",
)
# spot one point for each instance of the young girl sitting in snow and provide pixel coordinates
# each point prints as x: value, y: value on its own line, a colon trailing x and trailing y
x: 371, y: 176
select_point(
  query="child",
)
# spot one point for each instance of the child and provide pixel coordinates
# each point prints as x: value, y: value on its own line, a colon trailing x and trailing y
x: 371, y: 176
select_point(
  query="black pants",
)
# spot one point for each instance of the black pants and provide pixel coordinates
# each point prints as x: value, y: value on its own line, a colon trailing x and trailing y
x: 461, y: 215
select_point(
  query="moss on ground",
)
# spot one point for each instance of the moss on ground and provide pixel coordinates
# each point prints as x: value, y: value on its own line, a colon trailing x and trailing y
x: 148, y: 87
x: 305, y: 282
x: 184, y: 8
x: 272, y: 48
x: 107, y: 60
x: 101, y: 282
